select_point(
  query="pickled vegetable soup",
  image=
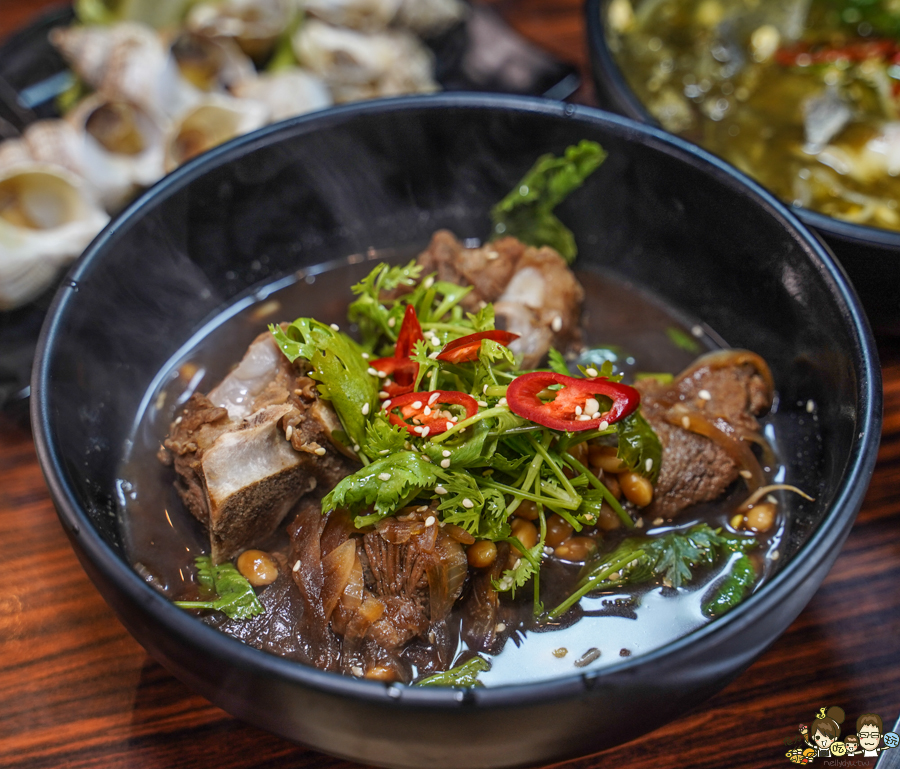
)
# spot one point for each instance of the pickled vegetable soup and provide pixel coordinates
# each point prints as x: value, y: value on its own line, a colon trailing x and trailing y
x: 622, y: 322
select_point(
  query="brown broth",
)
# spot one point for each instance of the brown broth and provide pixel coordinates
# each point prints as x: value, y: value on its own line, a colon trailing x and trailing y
x: 162, y: 538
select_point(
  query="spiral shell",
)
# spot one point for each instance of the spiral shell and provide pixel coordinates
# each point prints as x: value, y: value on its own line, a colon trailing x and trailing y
x: 287, y: 93
x: 48, y: 215
x: 364, y: 66
x: 254, y: 24
x: 211, y: 122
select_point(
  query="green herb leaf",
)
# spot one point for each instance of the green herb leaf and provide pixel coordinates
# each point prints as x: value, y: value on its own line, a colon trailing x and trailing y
x: 234, y: 594
x: 682, y: 340
x: 639, y: 445
x: 338, y: 366
x: 368, y: 312
x: 383, y: 438
x: 517, y: 577
x: 556, y: 362
x: 388, y: 483
x: 527, y: 211
x: 462, y: 675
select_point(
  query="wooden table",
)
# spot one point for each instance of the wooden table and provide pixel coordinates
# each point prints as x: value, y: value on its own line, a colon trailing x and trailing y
x: 77, y: 691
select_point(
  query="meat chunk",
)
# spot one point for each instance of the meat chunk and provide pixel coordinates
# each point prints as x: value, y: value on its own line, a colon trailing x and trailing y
x: 534, y: 292
x: 704, y: 420
x: 247, y: 452
x: 367, y: 596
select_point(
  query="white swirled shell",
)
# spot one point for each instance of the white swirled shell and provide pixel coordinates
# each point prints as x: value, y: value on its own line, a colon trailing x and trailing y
x: 212, y: 121
x: 127, y: 61
x: 287, y: 93
x: 254, y: 24
x: 48, y: 215
x: 364, y: 66
x: 424, y: 17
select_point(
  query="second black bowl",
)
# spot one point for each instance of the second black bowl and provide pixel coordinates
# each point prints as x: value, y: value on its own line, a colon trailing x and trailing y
x: 871, y: 256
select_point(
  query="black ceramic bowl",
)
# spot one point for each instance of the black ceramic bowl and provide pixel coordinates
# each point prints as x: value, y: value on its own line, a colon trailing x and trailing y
x: 661, y: 213
x: 870, y: 255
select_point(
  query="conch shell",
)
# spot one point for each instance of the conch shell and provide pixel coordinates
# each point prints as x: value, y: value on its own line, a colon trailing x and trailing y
x: 287, y: 93
x: 213, y: 121
x: 360, y: 66
x: 424, y: 17
x: 48, y: 215
x: 210, y: 64
x: 255, y: 25
x: 129, y: 62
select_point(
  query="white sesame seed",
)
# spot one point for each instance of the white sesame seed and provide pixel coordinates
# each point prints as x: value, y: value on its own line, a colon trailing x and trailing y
x: 385, y: 451
x: 435, y: 341
x: 434, y: 355
x: 356, y: 447
x: 810, y: 406
x: 427, y: 411
x: 335, y: 326
x: 425, y: 432
x: 296, y: 566
x: 775, y: 555
x: 320, y: 451
x: 365, y: 409
x: 746, y: 474
x: 591, y: 406
x: 591, y: 372
x: 501, y: 402
x: 428, y: 282
x: 384, y: 476
x: 417, y: 404
x: 500, y: 627
x: 440, y: 490
x: 697, y: 331
x: 639, y: 523
x: 685, y: 422
x: 387, y: 404
x: 445, y: 453
x: 548, y: 550
x: 596, y: 415
x: 383, y: 395
x: 418, y: 429
x: 578, y: 410
x: 178, y: 421
x: 603, y: 425
x: 771, y: 499
x: 484, y: 390
x: 429, y: 521
x: 648, y: 465
x: 658, y: 521
x: 371, y: 371
x: 432, y: 398
x: 615, y: 575
x: 392, y: 322
x: 449, y: 425
x: 491, y: 255
x: 483, y: 404
x: 445, y: 463
x: 357, y: 671
x: 454, y: 419
x: 289, y: 432
x: 382, y: 374
x: 556, y: 323
x: 366, y: 356
x: 584, y: 418
x: 468, y: 503
x: 704, y: 395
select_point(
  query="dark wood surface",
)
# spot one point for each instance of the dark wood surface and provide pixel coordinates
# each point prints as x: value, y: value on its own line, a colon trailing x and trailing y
x: 77, y: 691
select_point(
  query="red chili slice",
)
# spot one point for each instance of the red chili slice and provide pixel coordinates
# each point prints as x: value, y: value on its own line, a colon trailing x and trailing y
x: 403, y: 370
x: 413, y: 405
x: 410, y: 333
x: 886, y: 50
x: 466, y: 347
x: 559, y: 413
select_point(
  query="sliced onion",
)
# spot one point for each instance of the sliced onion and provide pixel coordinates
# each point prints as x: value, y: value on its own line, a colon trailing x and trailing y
x: 761, y: 492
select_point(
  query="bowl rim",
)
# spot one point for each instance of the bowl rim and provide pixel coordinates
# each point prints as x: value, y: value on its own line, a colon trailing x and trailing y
x: 186, y: 629
x: 606, y: 69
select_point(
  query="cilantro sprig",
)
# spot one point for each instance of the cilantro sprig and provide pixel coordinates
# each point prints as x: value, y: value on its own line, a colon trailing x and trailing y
x: 229, y: 591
